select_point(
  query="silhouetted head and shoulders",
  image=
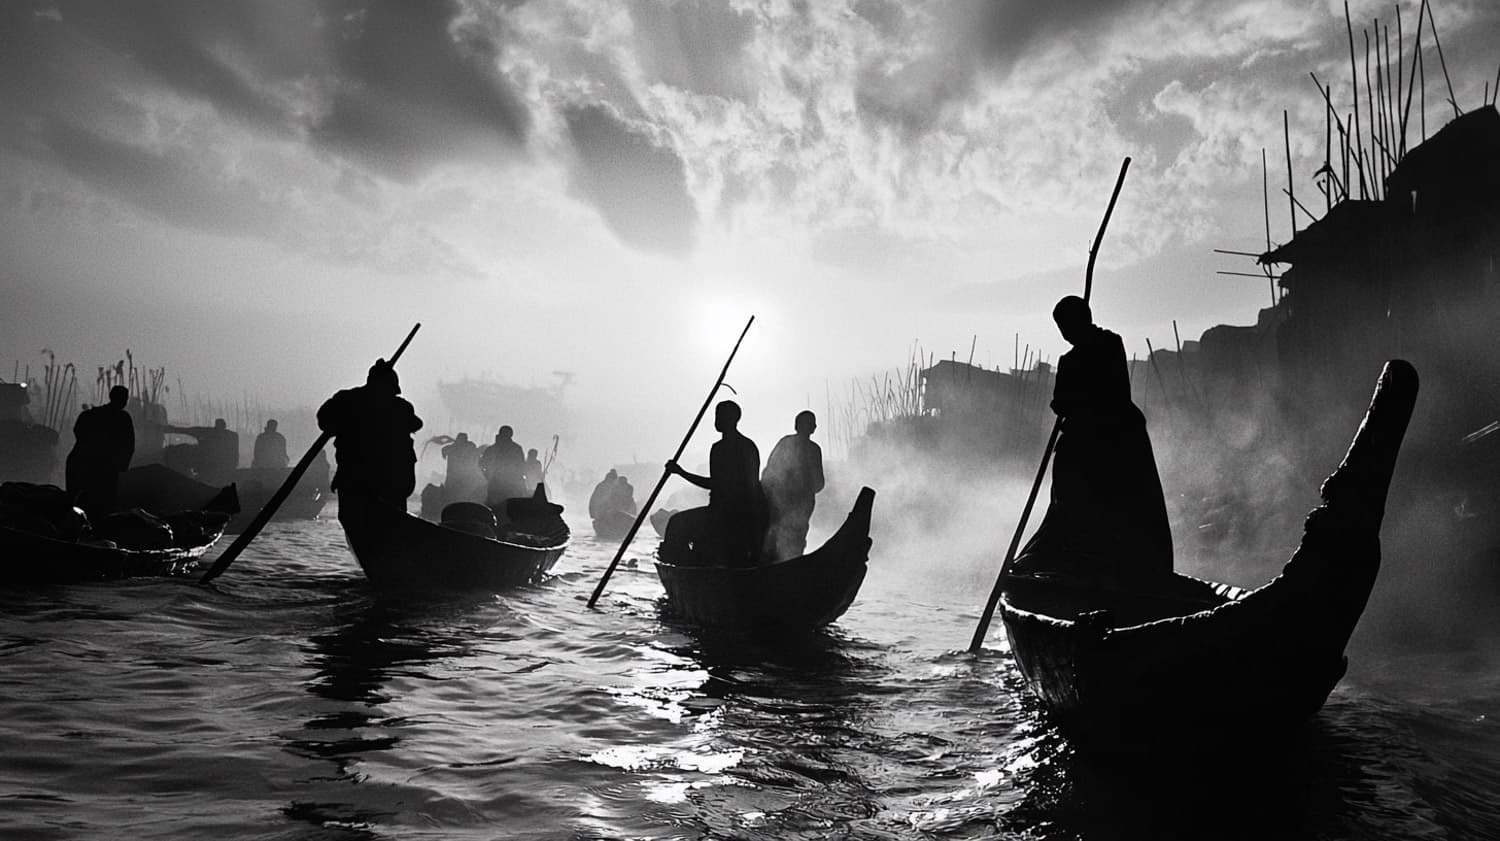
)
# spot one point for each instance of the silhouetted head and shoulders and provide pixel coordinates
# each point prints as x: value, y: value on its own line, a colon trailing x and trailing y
x: 270, y: 448
x: 376, y: 407
x: 727, y: 421
x: 1092, y: 377
x: 459, y: 446
x: 504, y: 448
x: 733, y: 460
x: 107, y: 430
x: 795, y: 466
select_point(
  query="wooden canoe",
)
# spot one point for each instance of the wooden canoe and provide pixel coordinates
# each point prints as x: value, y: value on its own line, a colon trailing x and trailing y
x: 157, y: 487
x: 35, y: 559
x: 659, y: 519
x: 1181, y: 662
x: 399, y: 551
x: 256, y: 486
x: 787, y: 597
x: 613, y: 525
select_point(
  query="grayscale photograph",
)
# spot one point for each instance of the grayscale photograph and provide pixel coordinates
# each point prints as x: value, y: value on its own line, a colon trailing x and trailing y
x: 674, y: 420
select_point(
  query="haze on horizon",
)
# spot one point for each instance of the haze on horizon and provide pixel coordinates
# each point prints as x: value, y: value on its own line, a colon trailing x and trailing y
x: 265, y: 197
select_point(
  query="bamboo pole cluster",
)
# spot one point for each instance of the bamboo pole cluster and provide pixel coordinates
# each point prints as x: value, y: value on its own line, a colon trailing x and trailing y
x: 1375, y: 129
x: 58, y: 385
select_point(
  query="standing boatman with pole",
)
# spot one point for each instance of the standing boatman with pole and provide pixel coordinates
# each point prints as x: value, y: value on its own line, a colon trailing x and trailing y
x: 372, y: 428
x: 1107, y: 511
x: 314, y: 453
x: 1015, y: 541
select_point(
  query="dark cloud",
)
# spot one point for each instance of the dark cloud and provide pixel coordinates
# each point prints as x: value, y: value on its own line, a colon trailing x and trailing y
x: 885, y: 15
x: 399, y: 86
x: 913, y: 97
x: 414, y: 88
x: 163, y: 185
x: 965, y: 40
x: 639, y: 188
x: 695, y: 45
x: 1004, y: 33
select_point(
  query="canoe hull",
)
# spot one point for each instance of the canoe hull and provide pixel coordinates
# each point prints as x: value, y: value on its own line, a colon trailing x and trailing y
x: 43, y: 560
x: 1238, y: 670
x: 1170, y: 662
x: 613, y: 525
x: 790, y: 597
x: 401, y: 552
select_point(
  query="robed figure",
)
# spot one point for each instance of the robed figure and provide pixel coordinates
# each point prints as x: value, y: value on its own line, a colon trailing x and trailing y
x: 1107, y: 515
x: 463, y: 482
x: 372, y: 427
x: 792, y: 479
x: 103, y: 444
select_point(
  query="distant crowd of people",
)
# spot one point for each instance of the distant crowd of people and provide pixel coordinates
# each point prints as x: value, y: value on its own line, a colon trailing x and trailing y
x: 491, y: 476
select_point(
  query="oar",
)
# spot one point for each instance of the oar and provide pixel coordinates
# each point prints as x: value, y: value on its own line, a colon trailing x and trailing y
x: 1041, y: 471
x: 269, y: 509
x: 650, y: 500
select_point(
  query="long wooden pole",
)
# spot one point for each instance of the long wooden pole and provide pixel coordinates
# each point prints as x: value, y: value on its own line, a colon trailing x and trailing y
x: 269, y: 509
x: 1015, y: 541
x: 640, y: 517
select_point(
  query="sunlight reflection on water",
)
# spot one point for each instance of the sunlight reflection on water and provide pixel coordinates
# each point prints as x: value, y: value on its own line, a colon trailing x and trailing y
x: 287, y: 701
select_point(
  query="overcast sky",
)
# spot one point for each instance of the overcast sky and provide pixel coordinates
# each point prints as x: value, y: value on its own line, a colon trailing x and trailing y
x: 264, y: 196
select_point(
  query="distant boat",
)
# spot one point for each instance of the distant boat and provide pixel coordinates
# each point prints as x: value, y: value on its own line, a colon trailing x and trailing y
x: 157, y: 487
x: 659, y: 519
x: 613, y: 525
x: 256, y: 486
x: 401, y: 552
x: 1147, y: 667
x: 785, y: 598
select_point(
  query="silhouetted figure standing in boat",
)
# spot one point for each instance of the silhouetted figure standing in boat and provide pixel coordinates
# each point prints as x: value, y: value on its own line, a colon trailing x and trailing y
x: 103, y: 444
x: 463, y: 482
x: 504, y: 467
x: 532, y: 471
x: 792, y: 479
x: 372, y: 427
x: 1107, y: 504
x: 217, y: 453
x: 730, y: 528
x: 270, y: 449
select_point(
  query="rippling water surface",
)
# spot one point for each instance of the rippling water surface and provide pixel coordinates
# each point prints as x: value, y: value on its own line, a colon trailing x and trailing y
x: 287, y: 702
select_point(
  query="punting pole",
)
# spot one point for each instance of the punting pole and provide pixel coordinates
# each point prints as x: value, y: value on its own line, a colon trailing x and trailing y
x: 651, y: 500
x: 1041, y: 471
x: 269, y: 509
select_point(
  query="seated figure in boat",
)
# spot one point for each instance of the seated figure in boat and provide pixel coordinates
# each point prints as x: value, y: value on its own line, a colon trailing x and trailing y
x: 602, y: 499
x: 463, y: 481
x: 729, y: 530
x: 270, y: 449
x: 372, y: 427
x: 623, y: 497
x: 103, y: 444
x: 792, y: 479
x: 1107, y: 514
x: 504, y: 467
